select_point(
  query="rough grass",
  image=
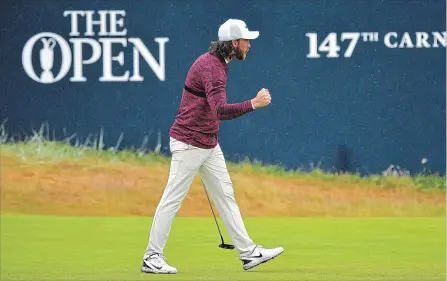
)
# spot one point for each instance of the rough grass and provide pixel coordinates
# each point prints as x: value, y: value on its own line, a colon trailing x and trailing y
x: 45, y: 177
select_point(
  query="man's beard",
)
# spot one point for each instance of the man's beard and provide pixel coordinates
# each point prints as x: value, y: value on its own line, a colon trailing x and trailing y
x: 238, y: 53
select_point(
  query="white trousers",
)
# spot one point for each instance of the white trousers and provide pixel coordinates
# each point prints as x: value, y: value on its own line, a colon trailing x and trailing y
x: 186, y: 162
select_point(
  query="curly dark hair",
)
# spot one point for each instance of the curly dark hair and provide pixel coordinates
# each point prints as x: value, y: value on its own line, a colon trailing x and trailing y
x: 222, y: 49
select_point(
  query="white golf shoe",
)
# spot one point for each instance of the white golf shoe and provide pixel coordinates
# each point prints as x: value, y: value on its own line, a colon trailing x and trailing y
x: 260, y: 255
x: 156, y: 263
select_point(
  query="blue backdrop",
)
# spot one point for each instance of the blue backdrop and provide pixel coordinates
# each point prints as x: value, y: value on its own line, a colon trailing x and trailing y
x: 385, y: 105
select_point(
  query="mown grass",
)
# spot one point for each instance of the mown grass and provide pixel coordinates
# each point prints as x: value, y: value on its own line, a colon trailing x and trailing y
x: 98, y: 248
x: 75, y: 185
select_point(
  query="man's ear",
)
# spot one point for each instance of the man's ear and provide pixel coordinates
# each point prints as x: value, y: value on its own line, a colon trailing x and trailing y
x: 235, y: 43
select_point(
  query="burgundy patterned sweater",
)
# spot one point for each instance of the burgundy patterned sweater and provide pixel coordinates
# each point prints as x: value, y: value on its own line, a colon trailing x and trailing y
x: 204, y: 103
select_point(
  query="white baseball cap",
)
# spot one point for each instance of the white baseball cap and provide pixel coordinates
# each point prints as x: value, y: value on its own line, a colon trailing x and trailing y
x: 234, y: 29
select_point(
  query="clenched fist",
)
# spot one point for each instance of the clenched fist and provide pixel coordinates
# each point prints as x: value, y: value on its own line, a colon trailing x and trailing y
x: 262, y: 99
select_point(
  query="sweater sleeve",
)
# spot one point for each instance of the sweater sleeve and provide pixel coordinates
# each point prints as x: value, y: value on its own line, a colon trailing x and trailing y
x: 215, y: 82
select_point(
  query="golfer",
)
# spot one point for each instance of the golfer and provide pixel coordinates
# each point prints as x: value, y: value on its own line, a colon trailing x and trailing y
x: 195, y: 149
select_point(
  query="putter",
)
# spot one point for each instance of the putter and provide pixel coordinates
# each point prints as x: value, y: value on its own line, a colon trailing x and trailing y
x: 223, y: 245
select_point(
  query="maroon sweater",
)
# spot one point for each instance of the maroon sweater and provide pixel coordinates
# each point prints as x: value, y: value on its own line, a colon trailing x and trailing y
x: 204, y: 103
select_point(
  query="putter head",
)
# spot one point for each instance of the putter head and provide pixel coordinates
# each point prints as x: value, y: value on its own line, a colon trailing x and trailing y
x: 226, y: 246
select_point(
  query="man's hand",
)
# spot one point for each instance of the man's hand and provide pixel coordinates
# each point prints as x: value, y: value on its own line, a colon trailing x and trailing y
x: 262, y: 99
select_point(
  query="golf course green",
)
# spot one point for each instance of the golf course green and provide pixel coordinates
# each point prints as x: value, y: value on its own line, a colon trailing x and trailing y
x: 111, y: 248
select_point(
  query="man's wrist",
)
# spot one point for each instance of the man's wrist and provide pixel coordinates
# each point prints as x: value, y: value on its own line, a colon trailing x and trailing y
x: 252, y: 104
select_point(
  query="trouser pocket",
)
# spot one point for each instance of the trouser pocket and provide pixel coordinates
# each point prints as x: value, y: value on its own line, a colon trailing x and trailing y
x: 177, y: 146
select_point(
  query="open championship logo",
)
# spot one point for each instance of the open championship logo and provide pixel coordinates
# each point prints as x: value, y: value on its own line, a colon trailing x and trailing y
x: 101, y: 47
